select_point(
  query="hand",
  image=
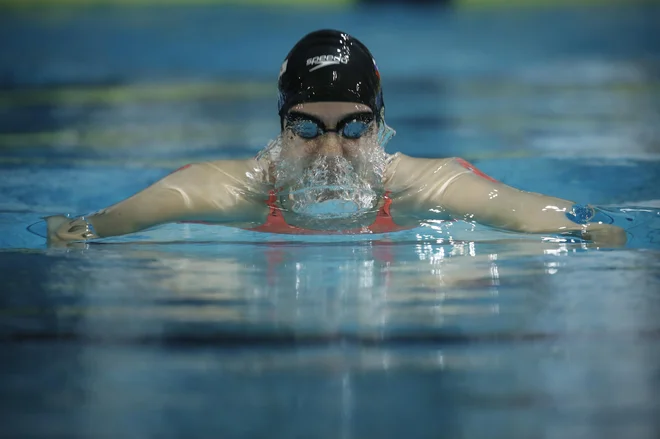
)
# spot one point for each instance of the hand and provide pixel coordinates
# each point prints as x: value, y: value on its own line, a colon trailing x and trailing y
x: 61, y: 228
x: 597, y: 232
x: 606, y: 235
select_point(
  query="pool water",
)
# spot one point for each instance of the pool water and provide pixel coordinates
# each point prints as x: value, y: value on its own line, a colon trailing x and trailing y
x: 207, y: 331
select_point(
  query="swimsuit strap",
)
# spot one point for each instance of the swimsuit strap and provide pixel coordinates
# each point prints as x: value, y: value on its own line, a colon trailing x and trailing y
x: 275, y: 218
x: 384, y: 222
x: 385, y: 210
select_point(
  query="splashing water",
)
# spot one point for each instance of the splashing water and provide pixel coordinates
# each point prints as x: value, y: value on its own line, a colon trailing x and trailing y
x: 330, y: 187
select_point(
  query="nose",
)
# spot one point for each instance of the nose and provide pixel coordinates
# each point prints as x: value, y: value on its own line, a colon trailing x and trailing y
x: 331, y: 146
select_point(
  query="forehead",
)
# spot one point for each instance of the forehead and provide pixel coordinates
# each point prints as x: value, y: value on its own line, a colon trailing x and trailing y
x: 330, y: 111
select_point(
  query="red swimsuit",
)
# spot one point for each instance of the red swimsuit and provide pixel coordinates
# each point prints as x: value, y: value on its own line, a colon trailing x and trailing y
x: 275, y: 222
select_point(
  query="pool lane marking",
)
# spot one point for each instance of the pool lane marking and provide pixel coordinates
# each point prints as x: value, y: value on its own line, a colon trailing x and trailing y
x: 228, y: 90
x: 121, y: 94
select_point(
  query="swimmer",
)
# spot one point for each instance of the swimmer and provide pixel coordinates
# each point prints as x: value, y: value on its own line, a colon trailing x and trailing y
x: 328, y: 172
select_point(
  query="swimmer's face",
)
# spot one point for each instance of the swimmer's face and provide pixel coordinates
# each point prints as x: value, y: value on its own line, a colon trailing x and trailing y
x: 329, y: 150
x: 328, y: 129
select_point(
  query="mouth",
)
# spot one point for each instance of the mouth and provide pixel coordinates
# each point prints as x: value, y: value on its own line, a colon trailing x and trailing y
x: 326, y: 202
x: 318, y: 194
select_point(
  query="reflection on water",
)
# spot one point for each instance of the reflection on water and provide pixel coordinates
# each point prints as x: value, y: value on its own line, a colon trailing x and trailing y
x: 526, y: 337
x: 368, y: 290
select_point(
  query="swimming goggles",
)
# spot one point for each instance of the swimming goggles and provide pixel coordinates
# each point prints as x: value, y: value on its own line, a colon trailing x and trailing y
x: 308, y: 127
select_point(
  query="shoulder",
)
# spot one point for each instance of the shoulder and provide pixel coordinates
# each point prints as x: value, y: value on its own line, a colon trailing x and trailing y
x: 398, y: 160
x: 246, y: 169
x: 402, y: 167
x: 403, y: 170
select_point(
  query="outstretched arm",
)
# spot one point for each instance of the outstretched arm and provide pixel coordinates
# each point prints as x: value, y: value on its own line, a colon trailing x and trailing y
x: 462, y: 191
x: 222, y: 192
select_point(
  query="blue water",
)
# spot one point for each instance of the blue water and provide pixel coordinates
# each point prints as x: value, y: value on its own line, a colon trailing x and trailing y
x: 205, y: 331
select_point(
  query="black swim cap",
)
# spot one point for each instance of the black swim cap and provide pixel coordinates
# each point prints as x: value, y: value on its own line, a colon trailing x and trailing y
x: 329, y: 65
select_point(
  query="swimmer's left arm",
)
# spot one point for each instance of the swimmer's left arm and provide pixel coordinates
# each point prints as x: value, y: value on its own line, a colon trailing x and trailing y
x: 472, y: 195
x: 462, y: 191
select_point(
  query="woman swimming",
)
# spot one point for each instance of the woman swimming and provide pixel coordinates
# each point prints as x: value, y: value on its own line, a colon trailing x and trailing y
x: 328, y: 172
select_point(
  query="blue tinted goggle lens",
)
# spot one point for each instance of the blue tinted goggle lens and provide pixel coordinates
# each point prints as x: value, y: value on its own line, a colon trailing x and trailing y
x: 355, y: 129
x: 307, y: 129
x: 352, y: 127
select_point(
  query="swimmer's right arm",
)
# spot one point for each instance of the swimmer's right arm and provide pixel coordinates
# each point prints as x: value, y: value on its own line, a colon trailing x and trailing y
x: 219, y: 192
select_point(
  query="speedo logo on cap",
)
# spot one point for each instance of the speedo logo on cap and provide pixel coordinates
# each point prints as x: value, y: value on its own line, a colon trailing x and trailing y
x: 319, y: 62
